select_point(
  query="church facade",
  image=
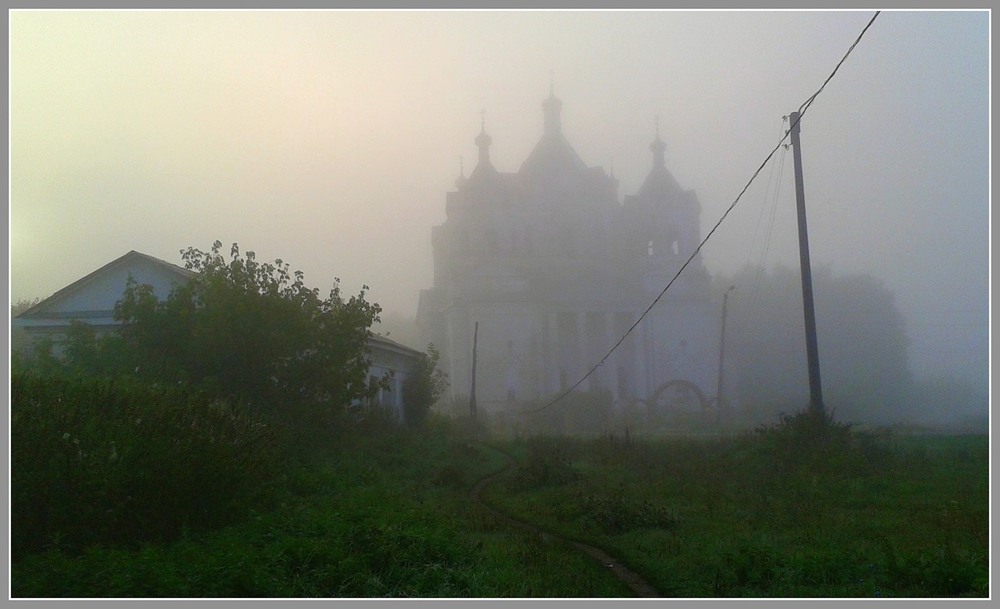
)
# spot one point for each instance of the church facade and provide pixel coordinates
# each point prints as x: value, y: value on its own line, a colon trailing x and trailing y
x: 555, y: 269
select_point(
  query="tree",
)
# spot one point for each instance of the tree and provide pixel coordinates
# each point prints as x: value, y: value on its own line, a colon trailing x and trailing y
x: 423, y: 387
x: 251, y: 332
x: 861, y: 335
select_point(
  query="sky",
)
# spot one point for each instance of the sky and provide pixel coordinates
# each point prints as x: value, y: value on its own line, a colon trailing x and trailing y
x: 329, y: 139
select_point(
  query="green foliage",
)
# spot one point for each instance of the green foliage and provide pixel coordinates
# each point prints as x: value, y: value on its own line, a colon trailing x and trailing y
x: 101, y: 462
x: 423, y: 387
x: 368, y: 519
x: 251, y: 332
x: 618, y: 513
x: 122, y: 489
x: 547, y: 464
x: 811, y: 442
x: 806, y: 507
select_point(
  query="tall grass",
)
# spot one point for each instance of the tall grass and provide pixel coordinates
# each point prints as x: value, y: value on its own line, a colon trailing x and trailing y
x: 379, y: 511
x: 807, y: 507
x: 102, y: 462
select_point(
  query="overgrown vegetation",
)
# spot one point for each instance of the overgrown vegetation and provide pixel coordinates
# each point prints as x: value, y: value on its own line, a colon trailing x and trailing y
x: 191, y: 417
x: 380, y: 511
x: 252, y: 332
x: 422, y: 388
x: 806, y: 507
x: 123, y: 463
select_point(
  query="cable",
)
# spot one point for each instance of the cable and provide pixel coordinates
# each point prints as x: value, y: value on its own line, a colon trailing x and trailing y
x: 759, y: 270
x: 805, y: 105
x: 767, y: 192
x: 802, y: 110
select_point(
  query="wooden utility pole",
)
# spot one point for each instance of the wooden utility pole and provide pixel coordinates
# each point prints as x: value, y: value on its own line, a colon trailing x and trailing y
x: 722, y: 347
x: 472, y: 393
x: 812, y: 349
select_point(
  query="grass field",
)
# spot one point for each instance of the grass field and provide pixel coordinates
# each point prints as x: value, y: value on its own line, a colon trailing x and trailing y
x: 386, y: 512
x: 868, y: 516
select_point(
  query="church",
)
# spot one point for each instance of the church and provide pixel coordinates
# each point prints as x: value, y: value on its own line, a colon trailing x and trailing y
x: 555, y: 269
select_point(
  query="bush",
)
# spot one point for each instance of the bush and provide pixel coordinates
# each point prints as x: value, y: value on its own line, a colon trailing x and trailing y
x: 422, y: 388
x: 810, y: 441
x: 102, y: 462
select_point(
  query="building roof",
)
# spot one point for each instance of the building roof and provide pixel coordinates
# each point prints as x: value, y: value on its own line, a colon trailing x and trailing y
x: 391, y: 345
x: 133, y: 257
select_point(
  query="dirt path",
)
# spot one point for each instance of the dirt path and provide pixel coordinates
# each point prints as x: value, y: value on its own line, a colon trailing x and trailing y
x: 639, y: 586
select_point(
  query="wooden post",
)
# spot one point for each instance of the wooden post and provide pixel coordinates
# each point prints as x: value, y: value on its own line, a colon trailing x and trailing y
x: 812, y: 349
x: 472, y: 393
x: 722, y: 348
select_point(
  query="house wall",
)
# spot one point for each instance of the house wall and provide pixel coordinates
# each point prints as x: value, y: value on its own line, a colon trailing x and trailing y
x: 395, y: 363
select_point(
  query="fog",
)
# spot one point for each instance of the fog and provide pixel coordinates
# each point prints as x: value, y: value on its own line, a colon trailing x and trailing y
x: 330, y: 139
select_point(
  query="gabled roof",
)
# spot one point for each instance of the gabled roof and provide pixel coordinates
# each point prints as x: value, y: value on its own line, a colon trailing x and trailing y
x: 180, y: 274
x: 375, y: 340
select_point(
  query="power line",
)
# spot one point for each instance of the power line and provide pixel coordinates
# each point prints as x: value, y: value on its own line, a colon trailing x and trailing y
x: 759, y: 271
x: 802, y: 110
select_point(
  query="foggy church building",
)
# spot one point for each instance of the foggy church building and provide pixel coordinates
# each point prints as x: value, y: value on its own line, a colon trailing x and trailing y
x: 555, y: 269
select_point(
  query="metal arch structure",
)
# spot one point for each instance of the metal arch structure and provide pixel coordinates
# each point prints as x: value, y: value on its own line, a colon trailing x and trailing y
x: 660, y: 396
x: 685, y: 387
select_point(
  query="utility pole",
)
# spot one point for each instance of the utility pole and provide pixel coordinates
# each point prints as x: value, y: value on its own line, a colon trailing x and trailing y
x: 812, y: 349
x: 722, y: 347
x: 472, y: 393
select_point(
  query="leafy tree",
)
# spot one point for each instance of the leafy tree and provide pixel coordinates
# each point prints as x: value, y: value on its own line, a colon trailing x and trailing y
x: 862, y: 344
x: 252, y: 332
x: 423, y: 388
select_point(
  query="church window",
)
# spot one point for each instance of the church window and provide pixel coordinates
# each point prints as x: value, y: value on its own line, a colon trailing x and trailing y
x: 649, y: 248
x: 674, y: 247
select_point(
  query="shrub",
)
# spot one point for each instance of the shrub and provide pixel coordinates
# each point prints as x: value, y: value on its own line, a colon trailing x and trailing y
x: 422, y: 388
x: 102, y: 462
x: 810, y: 441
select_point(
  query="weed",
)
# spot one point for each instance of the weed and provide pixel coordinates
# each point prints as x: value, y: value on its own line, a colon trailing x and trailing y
x: 547, y: 464
x: 620, y: 513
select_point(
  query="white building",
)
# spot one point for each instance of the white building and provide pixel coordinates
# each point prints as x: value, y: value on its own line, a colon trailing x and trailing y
x: 555, y: 269
x: 92, y: 299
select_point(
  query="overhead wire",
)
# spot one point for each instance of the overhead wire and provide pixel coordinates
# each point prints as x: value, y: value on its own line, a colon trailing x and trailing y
x: 801, y: 112
x: 771, y: 211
